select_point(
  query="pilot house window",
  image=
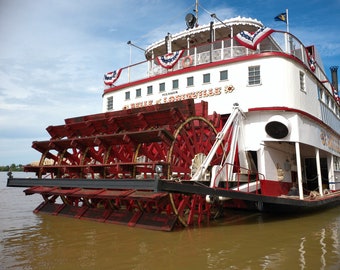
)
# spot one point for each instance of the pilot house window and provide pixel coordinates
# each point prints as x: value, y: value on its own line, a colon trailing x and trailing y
x: 110, y: 103
x: 223, y: 75
x: 254, y: 75
x: 161, y: 87
x: 138, y: 92
x: 302, y: 81
x: 206, y: 78
x: 149, y: 89
x: 190, y: 81
x: 175, y: 84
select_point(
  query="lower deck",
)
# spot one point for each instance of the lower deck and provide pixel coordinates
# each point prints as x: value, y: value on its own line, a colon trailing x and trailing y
x: 281, y: 193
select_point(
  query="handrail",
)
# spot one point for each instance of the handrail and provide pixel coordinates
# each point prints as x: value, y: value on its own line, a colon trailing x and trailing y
x: 252, y: 177
x: 219, y: 50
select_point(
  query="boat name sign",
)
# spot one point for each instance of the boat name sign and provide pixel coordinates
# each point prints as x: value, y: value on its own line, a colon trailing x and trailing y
x: 330, y: 141
x: 174, y: 96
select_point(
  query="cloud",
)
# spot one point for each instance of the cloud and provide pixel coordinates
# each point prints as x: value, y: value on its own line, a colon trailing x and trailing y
x: 53, y: 55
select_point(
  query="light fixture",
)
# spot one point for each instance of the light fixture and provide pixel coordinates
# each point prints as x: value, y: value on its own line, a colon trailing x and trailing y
x: 131, y: 44
x: 159, y: 168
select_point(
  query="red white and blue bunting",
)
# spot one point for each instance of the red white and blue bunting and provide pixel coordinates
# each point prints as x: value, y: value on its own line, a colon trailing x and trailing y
x: 311, y: 61
x: 170, y: 59
x: 252, y: 40
x: 112, y: 76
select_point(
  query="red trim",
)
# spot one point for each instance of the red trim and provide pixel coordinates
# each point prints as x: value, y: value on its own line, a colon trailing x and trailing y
x: 213, y: 64
x: 204, y: 66
x: 274, y: 188
x: 303, y: 113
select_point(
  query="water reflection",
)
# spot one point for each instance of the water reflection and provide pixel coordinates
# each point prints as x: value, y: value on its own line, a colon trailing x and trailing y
x: 309, y: 242
x: 302, y: 253
x: 62, y: 243
x: 239, y: 241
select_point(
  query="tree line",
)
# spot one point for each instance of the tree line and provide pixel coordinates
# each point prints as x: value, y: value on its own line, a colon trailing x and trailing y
x: 13, y: 167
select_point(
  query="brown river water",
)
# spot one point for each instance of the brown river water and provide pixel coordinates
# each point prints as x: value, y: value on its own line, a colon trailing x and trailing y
x: 240, y: 240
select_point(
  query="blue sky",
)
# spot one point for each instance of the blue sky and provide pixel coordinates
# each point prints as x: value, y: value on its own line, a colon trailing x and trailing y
x: 53, y: 53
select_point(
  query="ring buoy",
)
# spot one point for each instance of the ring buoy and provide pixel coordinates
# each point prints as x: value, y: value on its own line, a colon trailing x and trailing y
x: 313, y: 195
x: 187, y: 61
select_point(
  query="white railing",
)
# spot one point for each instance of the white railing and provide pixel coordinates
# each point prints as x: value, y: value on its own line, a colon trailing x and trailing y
x: 222, y: 50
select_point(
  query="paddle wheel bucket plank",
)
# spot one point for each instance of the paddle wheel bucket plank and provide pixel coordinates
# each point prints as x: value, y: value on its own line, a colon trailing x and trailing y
x: 106, y: 164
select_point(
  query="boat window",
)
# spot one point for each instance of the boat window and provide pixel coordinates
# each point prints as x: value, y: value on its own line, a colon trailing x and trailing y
x: 175, y: 84
x: 110, y: 103
x: 254, y: 75
x: 190, y: 81
x: 127, y: 95
x: 302, y: 81
x: 223, y: 75
x: 138, y: 92
x: 336, y: 164
x: 320, y: 93
x: 327, y: 100
x: 161, y: 87
x: 206, y: 78
x: 149, y: 90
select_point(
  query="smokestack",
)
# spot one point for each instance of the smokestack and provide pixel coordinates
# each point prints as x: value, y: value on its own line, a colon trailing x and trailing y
x: 334, y: 72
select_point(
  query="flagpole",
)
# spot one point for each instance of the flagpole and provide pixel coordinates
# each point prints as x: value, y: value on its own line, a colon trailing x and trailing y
x: 287, y: 20
x: 287, y: 36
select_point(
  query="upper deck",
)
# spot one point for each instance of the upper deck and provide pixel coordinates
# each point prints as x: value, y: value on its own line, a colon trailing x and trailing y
x: 212, y: 48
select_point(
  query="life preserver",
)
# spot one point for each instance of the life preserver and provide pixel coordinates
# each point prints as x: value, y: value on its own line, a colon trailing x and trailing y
x: 326, y: 192
x: 313, y: 195
x: 187, y: 61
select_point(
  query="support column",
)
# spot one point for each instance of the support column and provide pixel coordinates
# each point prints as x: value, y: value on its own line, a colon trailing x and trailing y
x: 299, y: 169
x: 318, y: 169
x: 261, y: 160
x: 231, y: 42
x: 195, y: 56
x: 331, y: 176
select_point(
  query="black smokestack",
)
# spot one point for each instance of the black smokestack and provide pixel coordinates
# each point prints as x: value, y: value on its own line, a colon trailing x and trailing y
x: 334, y: 72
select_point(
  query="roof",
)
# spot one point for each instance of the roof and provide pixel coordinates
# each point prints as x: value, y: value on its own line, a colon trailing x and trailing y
x: 201, y: 34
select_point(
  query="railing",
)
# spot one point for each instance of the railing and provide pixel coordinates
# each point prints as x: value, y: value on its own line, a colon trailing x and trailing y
x: 240, y: 179
x: 223, y: 50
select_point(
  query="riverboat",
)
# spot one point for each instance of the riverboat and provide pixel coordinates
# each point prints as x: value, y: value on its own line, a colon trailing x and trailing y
x: 230, y: 114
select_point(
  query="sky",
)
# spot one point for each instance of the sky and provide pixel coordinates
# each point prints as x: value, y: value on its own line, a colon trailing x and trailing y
x: 53, y: 53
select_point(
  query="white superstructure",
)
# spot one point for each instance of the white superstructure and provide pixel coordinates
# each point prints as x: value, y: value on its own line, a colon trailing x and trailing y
x: 291, y: 130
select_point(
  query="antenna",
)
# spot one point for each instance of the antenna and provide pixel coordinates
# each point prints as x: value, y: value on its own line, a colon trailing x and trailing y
x: 196, y: 11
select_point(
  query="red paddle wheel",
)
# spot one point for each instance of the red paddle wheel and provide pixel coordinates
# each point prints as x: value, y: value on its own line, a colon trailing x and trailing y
x: 162, y: 141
